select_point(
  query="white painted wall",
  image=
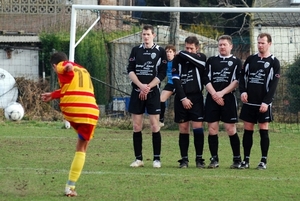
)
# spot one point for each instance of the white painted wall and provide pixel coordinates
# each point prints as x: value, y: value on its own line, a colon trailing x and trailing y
x: 23, y: 63
x: 286, y: 42
x: 86, y: 2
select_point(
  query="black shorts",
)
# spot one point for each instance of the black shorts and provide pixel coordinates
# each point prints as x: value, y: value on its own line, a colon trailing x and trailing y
x: 226, y: 113
x: 196, y: 113
x: 151, y: 105
x: 169, y: 87
x: 251, y: 114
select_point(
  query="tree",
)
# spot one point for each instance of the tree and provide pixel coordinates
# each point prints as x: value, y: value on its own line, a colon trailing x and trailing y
x: 186, y: 19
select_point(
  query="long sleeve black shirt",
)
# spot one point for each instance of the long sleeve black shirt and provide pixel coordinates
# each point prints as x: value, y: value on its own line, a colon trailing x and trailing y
x: 188, y: 73
x: 147, y: 63
x: 259, y: 78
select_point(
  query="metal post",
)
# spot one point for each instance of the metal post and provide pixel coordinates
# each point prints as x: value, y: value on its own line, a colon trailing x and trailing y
x: 174, y: 24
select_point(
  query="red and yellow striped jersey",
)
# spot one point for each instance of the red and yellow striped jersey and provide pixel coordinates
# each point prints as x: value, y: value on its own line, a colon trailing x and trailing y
x: 76, y: 93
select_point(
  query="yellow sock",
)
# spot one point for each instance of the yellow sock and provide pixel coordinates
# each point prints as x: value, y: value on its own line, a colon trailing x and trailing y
x: 77, y: 166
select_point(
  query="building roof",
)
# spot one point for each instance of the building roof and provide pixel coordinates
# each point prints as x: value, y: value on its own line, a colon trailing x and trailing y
x: 277, y: 19
x: 19, y: 39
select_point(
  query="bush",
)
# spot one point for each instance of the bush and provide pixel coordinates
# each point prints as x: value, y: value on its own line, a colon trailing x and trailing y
x: 30, y: 98
x: 293, y: 77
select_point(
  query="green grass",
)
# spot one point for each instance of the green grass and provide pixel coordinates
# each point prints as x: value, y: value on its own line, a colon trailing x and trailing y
x: 36, y: 156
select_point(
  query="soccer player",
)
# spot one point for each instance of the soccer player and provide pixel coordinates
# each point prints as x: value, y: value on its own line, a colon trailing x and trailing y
x: 188, y: 76
x: 78, y: 105
x: 258, y: 82
x: 169, y: 89
x: 223, y: 72
x: 146, y: 69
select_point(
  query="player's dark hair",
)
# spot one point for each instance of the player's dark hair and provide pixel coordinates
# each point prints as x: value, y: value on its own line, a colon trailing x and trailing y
x: 192, y: 40
x: 148, y: 26
x: 226, y: 37
x: 269, y: 38
x: 170, y: 47
x: 58, y: 57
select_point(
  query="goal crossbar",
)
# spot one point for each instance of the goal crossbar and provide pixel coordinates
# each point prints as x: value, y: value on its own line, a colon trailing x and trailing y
x: 76, y: 7
x: 186, y: 9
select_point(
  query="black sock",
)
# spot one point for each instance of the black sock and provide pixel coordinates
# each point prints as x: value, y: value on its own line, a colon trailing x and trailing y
x: 235, y: 146
x: 263, y: 159
x: 247, y: 144
x: 184, y: 142
x: 137, y: 145
x: 213, y: 143
x: 156, y: 143
x: 162, y: 111
x: 264, y: 144
x: 198, y: 142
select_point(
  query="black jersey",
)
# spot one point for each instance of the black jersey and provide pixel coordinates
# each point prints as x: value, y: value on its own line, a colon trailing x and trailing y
x: 221, y: 71
x: 259, y: 78
x: 148, y: 63
x: 188, y: 73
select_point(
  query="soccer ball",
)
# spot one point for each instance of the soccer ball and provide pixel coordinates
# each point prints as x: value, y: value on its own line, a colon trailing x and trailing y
x: 67, y: 124
x: 14, y: 111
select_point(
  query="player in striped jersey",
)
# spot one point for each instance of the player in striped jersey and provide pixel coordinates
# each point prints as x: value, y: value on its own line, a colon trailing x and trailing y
x: 78, y: 105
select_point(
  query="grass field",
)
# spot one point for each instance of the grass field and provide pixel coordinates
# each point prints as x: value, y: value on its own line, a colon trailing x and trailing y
x: 36, y: 156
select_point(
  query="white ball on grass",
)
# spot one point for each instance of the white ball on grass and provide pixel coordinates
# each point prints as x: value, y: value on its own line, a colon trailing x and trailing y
x: 67, y: 124
x: 14, y: 111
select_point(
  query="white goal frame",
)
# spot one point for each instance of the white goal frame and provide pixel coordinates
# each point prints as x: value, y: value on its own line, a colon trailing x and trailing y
x: 76, y: 7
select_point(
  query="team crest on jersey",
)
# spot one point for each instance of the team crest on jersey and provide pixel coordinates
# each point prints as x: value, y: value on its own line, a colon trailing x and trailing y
x: 173, y: 69
x: 267, y: 64
x: 230, y: 63
x: 153, y: 55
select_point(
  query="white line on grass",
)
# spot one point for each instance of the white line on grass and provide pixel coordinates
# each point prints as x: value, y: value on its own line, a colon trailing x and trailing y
x: 68, y: 137
x: 34, y: 137
x: 40, y: 170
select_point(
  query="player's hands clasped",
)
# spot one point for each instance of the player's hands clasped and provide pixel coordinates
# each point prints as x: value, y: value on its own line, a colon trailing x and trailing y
x: 218, y: 98
x: 187, y: 103
x: 244, y: 97
x: 144, y: 90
